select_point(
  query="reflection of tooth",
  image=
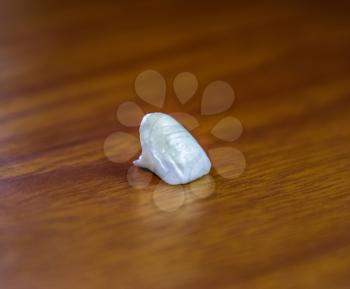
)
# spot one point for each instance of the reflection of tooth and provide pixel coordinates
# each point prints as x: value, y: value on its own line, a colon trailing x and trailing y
x: 170, y: 151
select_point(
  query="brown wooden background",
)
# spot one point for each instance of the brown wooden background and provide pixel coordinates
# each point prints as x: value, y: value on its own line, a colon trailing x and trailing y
x: 68, y: 218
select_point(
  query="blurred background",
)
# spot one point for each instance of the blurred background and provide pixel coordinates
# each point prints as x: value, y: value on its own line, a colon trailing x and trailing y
x: 68, y: 216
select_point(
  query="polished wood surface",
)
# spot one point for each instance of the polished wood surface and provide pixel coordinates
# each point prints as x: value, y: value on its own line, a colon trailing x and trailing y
x: 68, y: 217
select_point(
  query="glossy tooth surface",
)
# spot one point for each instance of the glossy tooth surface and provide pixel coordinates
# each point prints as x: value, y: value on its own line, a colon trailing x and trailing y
x: 170, y: 151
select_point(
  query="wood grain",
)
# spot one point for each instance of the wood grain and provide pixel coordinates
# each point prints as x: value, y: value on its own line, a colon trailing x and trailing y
x: 68, y: 217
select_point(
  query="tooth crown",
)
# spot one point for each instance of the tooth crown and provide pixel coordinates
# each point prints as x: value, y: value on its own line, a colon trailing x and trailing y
x: 170, y: 151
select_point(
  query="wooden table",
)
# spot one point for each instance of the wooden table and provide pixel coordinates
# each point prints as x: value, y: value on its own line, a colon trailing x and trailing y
x: 69, y: 218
